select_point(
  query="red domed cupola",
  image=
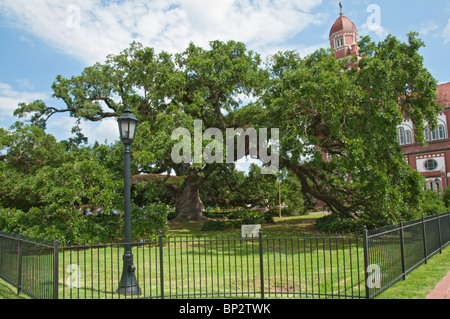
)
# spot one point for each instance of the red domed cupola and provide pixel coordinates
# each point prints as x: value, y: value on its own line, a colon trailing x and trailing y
x: 344, y: 37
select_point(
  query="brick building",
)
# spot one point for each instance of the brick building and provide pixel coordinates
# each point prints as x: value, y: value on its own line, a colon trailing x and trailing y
x: 344, y: 37
x: 432, y: 161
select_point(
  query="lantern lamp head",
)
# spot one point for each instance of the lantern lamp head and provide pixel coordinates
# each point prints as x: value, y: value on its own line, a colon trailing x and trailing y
x: 127, y: 127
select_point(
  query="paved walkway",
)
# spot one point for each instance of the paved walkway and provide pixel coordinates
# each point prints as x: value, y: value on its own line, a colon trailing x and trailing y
x: 442, y: 290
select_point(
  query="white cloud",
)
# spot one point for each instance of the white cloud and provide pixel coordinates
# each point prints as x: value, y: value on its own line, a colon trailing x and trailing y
x: 446, y: 33
x: 367, y: 28
x: 91, y: 29
x: 60, y: 124
x: 106, y: 129
x: 10, y: 98
x: 244, y: 163
x: 101, y: 131
x: 307, y: 50
x: 27, y: 40
x: 374, y: 22
x: 426, y: 28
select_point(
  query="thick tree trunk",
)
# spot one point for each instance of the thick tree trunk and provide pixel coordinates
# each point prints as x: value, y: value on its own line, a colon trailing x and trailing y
x: 188, y: 204
x: 338, y: 206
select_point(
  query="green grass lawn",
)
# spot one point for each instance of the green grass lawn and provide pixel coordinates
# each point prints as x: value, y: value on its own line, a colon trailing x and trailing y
x: 222, y: 264
x: 292, y: 224
x: 207, y: 263
x: 8, y: 291
x: 421, y: 281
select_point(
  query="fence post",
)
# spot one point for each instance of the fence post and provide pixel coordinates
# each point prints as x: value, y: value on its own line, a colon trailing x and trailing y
x: 261, y: 260
x: 448, y: 218
x: 55, y: 268
x: 366, y: 260
x: 439, y: 232
x: 402, y: 248
x: 161, y: 264
x: 424, y: 240
x: 1, y: 253
x: 19, y: 264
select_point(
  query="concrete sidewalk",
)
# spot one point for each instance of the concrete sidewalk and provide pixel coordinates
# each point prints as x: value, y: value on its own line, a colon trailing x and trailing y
x: 442, y: 289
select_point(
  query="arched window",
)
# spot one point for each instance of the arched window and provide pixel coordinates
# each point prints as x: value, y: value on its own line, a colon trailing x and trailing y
x: 426, y: 133
x: 408, y: 137
x: 441, y: 132
x: 401, y: 135
x: 438, y: 185
x: 434, y: 135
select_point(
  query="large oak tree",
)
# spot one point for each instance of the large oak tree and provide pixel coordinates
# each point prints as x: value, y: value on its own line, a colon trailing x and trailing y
x: 338, y: 124
x: 320, y: 105
x: 165, y: 92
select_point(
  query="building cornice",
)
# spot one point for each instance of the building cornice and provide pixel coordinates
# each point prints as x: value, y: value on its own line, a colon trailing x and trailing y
x: 342, y: 31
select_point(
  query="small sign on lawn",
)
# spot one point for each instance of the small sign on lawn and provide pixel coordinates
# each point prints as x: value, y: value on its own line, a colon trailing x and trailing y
x: 250, y: 231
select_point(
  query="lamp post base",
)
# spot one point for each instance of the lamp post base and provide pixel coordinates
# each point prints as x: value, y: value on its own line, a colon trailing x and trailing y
x: 128, y: 285
x: 129, y: 291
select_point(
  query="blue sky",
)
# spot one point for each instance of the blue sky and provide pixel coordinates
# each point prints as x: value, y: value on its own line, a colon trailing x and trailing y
x: 43, y: 38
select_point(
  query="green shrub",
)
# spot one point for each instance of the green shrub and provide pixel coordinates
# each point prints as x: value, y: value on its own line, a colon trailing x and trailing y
x: 244, y: 218
x: 11, y: 219
x: 433, y: 203
x: 215, y: 225
x: 66, y: 224
x: 149, y: 220
x: 337, y: 223
x: 274, y: 212
x: 288, y: 211
x: 255, y: 217
x: 71, y: 227
x: 446, y: 197
x: 235, y: 214
x: 172, y: 214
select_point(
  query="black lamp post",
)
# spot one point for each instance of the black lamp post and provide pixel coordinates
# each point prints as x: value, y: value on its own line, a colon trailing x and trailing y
x: 128, y: 284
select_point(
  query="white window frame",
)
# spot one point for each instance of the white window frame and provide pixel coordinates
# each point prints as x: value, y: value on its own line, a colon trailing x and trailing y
x: 401, y: 136
x: 434, y: 135
x: 408, y: 137
x: 441, y: 132
x: 426, y: 134
x: 425, y: 166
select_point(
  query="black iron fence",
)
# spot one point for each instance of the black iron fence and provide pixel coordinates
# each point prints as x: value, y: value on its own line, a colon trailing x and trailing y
x: 226, y: 266
x: 270, y: 265
x: 29, y: 264
x: 394, y: 251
